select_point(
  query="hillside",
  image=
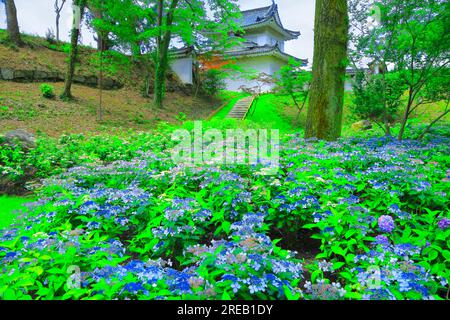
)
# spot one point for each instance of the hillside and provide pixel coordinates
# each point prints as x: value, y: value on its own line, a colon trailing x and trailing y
x: 22, y: 106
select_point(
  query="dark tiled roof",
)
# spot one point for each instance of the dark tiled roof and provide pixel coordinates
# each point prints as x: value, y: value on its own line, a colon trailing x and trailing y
x: 258, y: 16
x: 180, y: 52
x: 253, y: 16
x: 263, y: 50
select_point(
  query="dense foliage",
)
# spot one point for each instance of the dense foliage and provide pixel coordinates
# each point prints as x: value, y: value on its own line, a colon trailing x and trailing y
x: 213, y: 82
x: 410, y: 37
x: 378, y: 98
x: 374, y: 213
x: 295, y: 82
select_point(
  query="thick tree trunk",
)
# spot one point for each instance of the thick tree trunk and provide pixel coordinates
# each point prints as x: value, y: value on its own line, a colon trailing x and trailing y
x: 158, y: 86
x: 74, y: 37
x: 324, y: 119
x: 12, y: 23
x: 162, y: 59
x: 102, y: 42
x: 160, y: 74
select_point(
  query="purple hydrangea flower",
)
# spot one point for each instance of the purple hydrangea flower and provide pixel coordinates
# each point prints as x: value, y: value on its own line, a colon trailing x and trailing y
x: 386, y: 224
x: 444, y: 223
x: 383, y: 240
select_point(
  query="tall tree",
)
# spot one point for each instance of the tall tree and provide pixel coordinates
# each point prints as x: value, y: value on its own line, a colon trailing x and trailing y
x: 12, y: 23
x: 162, y: 48
x: 78, y: 12
x: 58, y: 8
x: 412, y: 38
x: 95, y: 15
x: 296, y: 83
x: 324, y: 120
x: 420, y: 50
x: 148, y: 28
x: 190, y: 21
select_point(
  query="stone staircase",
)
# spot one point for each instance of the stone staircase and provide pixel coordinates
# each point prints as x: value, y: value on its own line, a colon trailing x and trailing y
x: 241, y: 108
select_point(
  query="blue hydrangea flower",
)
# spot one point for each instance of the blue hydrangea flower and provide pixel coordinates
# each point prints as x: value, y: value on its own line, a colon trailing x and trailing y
x: 386, y: 224
x: 382, y: 240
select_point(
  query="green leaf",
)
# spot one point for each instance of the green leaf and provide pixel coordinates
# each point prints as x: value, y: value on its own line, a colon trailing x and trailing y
x: 353, y: 295
x: 25, y: 283
x: 37, y: 270
x: 432, y: 255
x: 338, y: 265
x: 289, y: 295
x: 350, y: 233
x: 9, y: 294
x: 226, y: 226
x: 226, y: 296
x: 446, y: 254
x: 338, y: 250
x: 315, y: 274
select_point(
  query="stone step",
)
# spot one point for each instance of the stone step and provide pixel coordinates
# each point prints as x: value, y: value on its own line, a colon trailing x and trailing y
x: 240, y: 109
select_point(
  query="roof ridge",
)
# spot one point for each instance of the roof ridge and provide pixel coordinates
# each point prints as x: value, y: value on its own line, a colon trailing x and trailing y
x: 255, y: 9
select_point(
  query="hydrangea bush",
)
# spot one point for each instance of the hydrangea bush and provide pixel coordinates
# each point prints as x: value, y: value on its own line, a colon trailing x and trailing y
x: 375, y: 212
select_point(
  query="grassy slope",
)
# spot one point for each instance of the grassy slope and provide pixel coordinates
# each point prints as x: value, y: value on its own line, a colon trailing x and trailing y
x: 273, y: 112
x: 22, y: 106
x: 7, y: 207
x: 38, y: 54
x: 269, y: 111
x: 279, y: 112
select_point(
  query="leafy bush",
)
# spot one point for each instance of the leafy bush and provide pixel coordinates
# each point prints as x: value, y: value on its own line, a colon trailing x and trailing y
x: 213, y: 82
x: 377, y: 98
x: 295, y: 82
x: 47, y: 91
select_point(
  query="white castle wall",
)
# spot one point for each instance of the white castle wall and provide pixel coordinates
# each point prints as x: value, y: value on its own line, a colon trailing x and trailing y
x: 264, y: 64
x: 183, y: 68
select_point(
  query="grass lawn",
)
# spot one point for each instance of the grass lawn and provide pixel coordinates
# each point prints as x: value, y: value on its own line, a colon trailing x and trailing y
x: 279, y: 112
x: 274, y: 112
x: 269, y: 111
x: 7, y: 207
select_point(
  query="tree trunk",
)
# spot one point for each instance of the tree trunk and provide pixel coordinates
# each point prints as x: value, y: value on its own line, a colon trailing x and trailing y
x: 158, y: 86
x: 58, y: 9
x: 162, y: 59
x: 102, y: 42
x: 58, y: 15
x: 433, y: 123
x: 406, y: 114
x: 102, y: 35
x: 160, y: 78
x: 387, y: 130
x: 12, y: 23
x: 324, y: 120
x: 74, y: 37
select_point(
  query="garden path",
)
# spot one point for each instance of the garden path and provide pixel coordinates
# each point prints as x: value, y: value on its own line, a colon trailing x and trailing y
x: 241, y: 108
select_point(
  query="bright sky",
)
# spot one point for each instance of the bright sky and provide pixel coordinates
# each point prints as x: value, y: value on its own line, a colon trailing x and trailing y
x: 36, y: 16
